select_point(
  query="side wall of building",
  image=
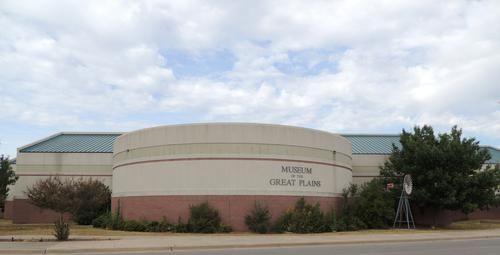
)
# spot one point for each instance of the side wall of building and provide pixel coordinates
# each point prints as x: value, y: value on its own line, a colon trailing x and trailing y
x: 365, y: 167
x: 32, y: 167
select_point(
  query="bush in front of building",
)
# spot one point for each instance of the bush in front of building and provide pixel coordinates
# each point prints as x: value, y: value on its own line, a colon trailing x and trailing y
x: 158, y: 226
x: 116, y: 222
x: 103, y: 221
x: 134, y: 225
x: 374, y: 205
x: 303, y: 218
x: 92, y: 199
x: 204, y: 219
x: 348, y: 221
x: 259, y: 219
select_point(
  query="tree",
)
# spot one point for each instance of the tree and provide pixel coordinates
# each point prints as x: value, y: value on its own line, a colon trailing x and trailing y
x: 58, y: 195
x: 7, y: 178
x: 53, y: 193
x: 84, y: 199
x: 446, y: 169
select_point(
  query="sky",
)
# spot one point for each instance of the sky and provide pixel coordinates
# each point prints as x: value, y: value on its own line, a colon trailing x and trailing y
x: 339, y: 66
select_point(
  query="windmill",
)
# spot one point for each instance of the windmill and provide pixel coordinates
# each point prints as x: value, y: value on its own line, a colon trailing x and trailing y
x: 404, y: 215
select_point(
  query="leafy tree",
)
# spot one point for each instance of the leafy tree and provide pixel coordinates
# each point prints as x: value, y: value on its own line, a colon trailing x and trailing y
x: 55, y: 194
x: 7, y: 178
x: 446, y: 170
x: 58, y: 195
x: 85, y: 199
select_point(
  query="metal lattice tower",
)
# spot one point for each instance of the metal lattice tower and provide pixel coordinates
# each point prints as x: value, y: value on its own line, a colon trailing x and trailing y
x: 404, y: 215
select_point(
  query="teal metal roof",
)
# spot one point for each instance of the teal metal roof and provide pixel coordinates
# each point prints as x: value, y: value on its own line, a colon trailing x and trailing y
x: 495, y: 155
x: 103, y: 143
x: 74, y: 143
x: 372, y: 144
x: 382, y: 144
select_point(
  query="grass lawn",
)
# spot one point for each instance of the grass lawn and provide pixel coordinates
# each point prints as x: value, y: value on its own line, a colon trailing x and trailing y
x: 474, y: 225
x: 7, y: 228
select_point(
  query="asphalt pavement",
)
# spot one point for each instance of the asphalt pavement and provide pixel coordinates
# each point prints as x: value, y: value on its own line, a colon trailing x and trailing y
x: 248, y: 243
x: 489, y: 246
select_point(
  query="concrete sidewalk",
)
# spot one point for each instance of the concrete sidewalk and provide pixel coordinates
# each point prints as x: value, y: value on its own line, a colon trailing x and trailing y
x: 82, y: 244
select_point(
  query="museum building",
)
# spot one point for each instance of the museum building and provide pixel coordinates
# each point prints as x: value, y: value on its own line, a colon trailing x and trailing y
x: 161, y: 171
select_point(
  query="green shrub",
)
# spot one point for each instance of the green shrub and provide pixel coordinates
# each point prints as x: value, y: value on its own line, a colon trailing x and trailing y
x: 224, y: 228
x: 307, y: 218
x: 204, y: 219
x: 92, y: 198
x: 280, y: 225
x: 164, y: 225
x: 180, y: 227
x: 259, y: 219
x: 61, y: 229
x: 133, y: 225
x: 157, y: 226
x: 116, y: 221
x: 331, y: 221
x: 303, y: 218
x: 103, y: 221
x: 348, y: 221
x: 375, y: 206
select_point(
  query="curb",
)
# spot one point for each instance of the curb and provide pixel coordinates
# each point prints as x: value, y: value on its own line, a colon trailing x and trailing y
x: 229, y: 246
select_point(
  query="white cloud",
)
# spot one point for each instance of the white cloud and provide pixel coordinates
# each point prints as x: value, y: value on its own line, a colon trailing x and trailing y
x: 391, y: 64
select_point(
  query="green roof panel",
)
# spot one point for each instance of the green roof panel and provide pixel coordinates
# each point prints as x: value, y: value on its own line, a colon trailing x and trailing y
x: 495, y: 155
x: 373, y: 144
x: 74, y: 143
x: 382, y: 144
x: 103, y: 143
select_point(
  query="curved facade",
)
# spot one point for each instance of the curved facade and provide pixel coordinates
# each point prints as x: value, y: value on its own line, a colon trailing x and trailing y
x: 159, y: 172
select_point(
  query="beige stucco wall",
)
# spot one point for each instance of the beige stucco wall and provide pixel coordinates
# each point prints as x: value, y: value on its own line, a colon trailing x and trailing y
x: 365, y: 167
x: 31, y: 167
x: 230, y: 158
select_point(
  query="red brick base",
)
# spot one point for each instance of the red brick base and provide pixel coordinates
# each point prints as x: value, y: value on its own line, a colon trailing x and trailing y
x: 24, y: 212
x: 433, y: 217
x: 232, y: 208
x: 7, y: 212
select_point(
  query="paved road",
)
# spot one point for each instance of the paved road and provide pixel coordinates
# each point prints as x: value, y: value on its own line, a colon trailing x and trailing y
x: 458, y: 247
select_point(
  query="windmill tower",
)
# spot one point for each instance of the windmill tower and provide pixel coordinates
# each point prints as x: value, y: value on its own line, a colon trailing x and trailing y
x: 404, y: 215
